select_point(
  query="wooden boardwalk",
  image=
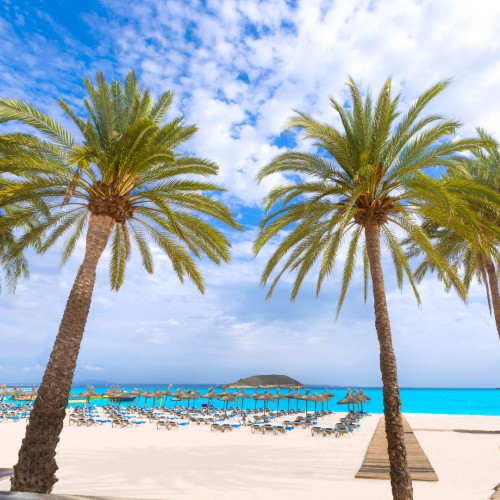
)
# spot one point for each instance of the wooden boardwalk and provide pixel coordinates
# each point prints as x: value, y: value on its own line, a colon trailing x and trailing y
x: 376, y: 462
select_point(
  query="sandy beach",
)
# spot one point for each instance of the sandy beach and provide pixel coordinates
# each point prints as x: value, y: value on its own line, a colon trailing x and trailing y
x: 190, y: 462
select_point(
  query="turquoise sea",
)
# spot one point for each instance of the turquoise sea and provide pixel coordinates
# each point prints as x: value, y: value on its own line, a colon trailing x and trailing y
x: 436, y: 401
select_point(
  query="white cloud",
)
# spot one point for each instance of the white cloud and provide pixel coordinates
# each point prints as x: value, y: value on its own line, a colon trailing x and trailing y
x: 92, y: 368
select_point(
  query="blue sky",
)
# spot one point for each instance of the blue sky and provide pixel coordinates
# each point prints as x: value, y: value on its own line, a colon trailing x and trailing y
x: 238, y: 68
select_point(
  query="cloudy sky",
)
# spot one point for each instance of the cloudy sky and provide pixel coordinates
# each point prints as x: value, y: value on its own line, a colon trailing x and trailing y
x: 238, y: 68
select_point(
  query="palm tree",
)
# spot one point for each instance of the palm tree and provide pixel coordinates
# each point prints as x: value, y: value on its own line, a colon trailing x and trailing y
x: 124, y: 182
x: 367, y: 179
x: 469, y: 255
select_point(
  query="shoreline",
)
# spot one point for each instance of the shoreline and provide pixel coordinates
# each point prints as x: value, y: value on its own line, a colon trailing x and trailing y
x: 143, y: 462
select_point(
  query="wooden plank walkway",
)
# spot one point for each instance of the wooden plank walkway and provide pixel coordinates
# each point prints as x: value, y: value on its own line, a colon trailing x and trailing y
x: 376, y: 462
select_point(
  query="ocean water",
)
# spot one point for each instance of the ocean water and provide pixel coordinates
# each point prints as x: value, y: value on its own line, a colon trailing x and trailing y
x: 435, y: 401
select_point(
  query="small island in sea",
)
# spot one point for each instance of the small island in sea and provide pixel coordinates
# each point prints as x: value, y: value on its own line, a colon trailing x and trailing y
x: 267, y: 381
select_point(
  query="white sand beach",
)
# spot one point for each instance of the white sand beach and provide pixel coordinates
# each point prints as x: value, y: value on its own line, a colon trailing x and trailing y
x: 193, y: 462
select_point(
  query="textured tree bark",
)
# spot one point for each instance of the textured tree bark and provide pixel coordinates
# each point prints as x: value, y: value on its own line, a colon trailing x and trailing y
x: 36, y: 466
x: 495, y: 294
x: 400, y: 478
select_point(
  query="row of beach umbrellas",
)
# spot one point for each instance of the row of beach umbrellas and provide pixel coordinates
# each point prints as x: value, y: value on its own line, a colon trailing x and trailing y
x: 17, y: 393
x: 352, y: 397
x: 116, y: 394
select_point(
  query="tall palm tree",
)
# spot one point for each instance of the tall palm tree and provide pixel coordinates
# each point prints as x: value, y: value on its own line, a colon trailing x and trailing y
x: 124, y: 182
x: 469, y: 255
x: 367, y: 179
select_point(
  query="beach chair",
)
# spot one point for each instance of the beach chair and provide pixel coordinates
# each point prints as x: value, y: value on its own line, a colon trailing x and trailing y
x: 255, y: 427
x: 120, y: 423
x: 279, y: 429
x: 308, y: 423
x: 341, y: 430
x: 73, y: 419
x: 316, y: 430
x: 162, y: 423
x: 267, y: 428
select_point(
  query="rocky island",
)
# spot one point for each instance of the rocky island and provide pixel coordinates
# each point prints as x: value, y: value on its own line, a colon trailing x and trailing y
x: 267, y: 381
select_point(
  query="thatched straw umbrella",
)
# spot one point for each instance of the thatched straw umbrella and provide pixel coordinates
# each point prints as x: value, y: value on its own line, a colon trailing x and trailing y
x: 298, y: 396
x: 305, y: 397
x: 360, y: 396
x: 224, y: 392
x: 136, y: 393
x: 317, y: 398
x: 227, y: 398
x: 113, y: 393
x: 255, y: 396
x: 266, y: 397
x: 348, y: 399
x: 291, y: 395
x: 279, y: 396
x: 240, y: 395
x: 179, y: 395
x: 15, y: 393
x: 210, y: 395
x: 192, y: 395
x: 146, y: 395
x: 121, y: 395
x: 167, y: 393
x: 327, y: 397
x: 88, y: 394
x: 154, y: 395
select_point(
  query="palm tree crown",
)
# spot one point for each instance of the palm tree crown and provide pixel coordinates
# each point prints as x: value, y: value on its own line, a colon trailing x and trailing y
x: 368, y: 172
x: 125, y: 167
x: 476, y: 258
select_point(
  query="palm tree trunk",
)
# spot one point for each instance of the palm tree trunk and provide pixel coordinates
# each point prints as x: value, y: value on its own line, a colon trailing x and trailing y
x: 400, y: 478
x: 495, y: 294
x: 36, y: 468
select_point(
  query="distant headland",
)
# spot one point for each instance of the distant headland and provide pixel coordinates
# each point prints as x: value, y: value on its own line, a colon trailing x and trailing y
x: 267, y: 381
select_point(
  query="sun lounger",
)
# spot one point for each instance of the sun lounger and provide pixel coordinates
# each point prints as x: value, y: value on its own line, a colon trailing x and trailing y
x: 120, y: 423
x: 316, y: 430
x: 267, y: 428
x: 279, y: 429
x: 308, y: 423
x: 341, y: 431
